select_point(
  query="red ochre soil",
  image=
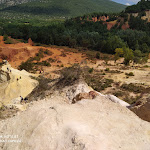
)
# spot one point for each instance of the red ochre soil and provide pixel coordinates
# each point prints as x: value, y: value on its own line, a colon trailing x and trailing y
x: 19, y: 52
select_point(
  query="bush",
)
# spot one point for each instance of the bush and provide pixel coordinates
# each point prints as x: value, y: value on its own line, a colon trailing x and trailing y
x: 45, y: 63
x: 70, y: 75
x: 47, y: 52
x: 107, y: 69
x: 133, y: 88
x: 8, y: 41
x: 97, y: 82
x: 3, y: 57
x: 119, y: 93
x: 129, y: 74
x: 40, y: 90
x: 97, y: 55
x: 5, y: 37
x: 146, y: 66
x: 51, y: 60
x: 63, y: 54
x: 28, y: 66
x: 90, y: 70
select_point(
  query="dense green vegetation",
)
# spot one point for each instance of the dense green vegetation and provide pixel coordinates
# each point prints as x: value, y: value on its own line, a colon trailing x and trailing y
x: 141, y: 6
x: 60, y: 8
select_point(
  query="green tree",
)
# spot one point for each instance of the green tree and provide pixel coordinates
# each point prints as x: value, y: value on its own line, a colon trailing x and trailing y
x: 5, y: 37
x: 136, y: 46
x: 118, y: 53
x: 128, y: 55
x: 144, y: 48
x: 137, y: 56
x: 112, y: 43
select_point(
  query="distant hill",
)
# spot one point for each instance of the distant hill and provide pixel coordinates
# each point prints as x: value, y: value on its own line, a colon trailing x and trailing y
x: 60, y: 8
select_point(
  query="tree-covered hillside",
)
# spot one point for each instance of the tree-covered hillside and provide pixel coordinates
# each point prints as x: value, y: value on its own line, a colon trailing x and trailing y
x: 63, y: 8
x: 140, y: 6
x: 82, y: 33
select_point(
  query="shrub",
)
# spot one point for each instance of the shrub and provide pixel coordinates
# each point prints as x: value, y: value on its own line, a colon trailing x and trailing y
x: 8, y: 41
x: 119, y: 93
x: 63, y: 54
x: 97, y: 82
x: 90, y: 70
x: 133, y: 88
x: 40, y: 54
x: 3, y: 57
x: 51, y: 60
x: 70, y: 75
x: 107, y: 69
x: 45, y: 63
x: 28, y: 66
x: 5, y: 37
x: 129, y: 74
x: 118, y: 53
x: 47, y: 52
x: 146, y: 66
x: 40, y: 90
x: 98, y: 55
x: 62, y: 65
x: 37, y: 58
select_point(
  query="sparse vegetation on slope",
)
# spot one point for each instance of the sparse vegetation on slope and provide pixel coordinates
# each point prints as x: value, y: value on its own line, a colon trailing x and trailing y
x: 33, y: 62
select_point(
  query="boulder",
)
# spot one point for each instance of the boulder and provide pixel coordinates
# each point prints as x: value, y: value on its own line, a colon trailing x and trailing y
x: 93, y: 94
x: 80, y: 96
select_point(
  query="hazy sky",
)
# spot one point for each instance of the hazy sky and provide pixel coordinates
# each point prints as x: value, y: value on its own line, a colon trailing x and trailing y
x: 126, y: 2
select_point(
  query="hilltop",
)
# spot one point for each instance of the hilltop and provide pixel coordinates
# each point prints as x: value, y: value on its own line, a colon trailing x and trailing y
x: 59, y: 8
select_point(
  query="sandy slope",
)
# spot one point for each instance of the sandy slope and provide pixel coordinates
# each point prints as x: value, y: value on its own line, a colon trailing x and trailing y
x: 140, y: 76
x: 15, y: 84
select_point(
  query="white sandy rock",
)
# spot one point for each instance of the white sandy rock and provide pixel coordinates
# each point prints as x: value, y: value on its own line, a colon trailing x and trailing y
x: 99, y: 124
x: 117, y: 100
